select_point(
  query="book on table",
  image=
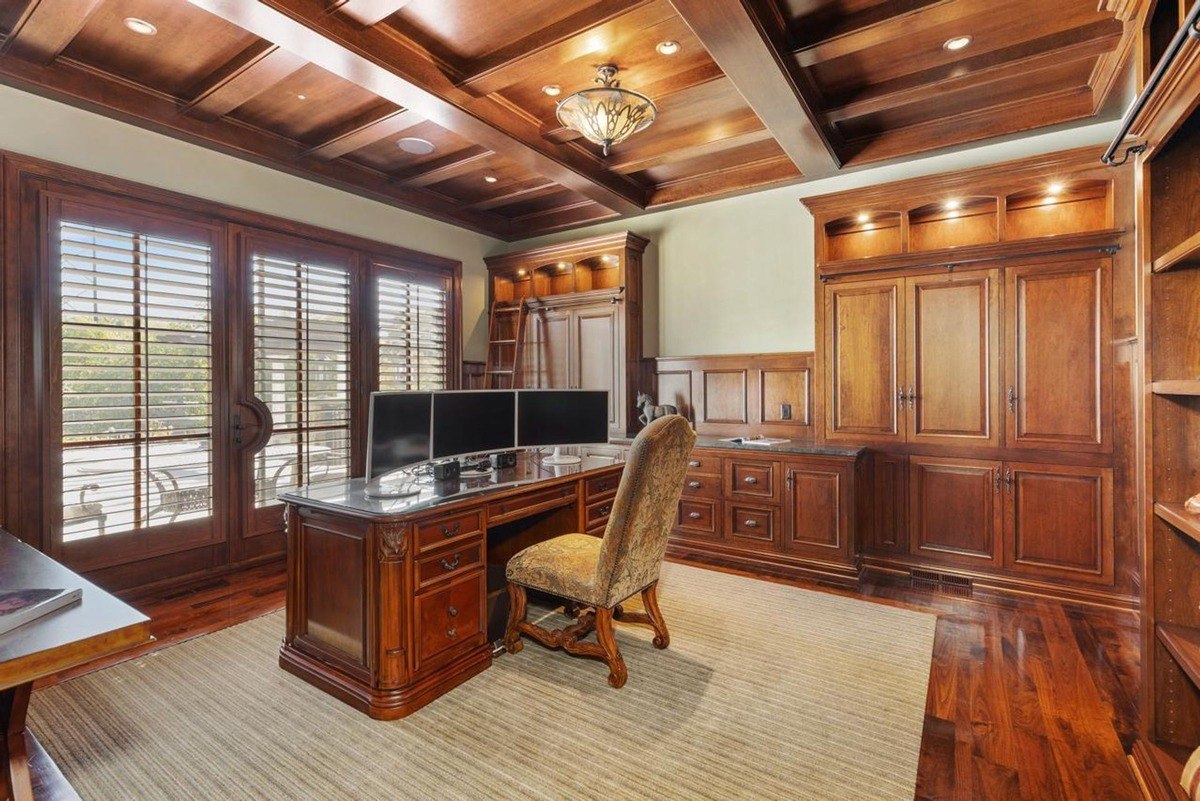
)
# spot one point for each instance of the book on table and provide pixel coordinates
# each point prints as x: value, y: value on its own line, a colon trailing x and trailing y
x: 18, y: 607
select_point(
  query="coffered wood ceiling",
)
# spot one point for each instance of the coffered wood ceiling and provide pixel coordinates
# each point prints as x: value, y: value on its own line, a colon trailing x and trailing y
x: 761, y: 92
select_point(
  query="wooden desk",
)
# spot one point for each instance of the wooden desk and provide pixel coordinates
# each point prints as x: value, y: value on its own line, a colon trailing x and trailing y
x: 391, y: 603
x: 98, y: 626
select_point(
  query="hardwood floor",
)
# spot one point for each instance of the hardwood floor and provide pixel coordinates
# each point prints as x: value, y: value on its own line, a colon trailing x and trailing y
x: 1028, y: 699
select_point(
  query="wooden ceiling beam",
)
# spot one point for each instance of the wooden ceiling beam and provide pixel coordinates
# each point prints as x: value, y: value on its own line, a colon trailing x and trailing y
x: 253, y: 71
x: 750, y: 177
x: 698, y: 140
x: 444, y: 167
x: 508, y: 64
x: 46, y: 27
x: 1005, y: 64
x: 359, y: 133
x: 512, y: 196
x: 736, y: 39
x: 384, y: 64
x: 369, y: 12
x: 809, y: 31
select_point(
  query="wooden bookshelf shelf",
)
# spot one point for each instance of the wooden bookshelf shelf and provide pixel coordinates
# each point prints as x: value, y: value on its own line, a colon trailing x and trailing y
x: 1159, y: 771
x: 1185, y: 254
x: 1180, y: 518
x: 1183, y: 643
x: 1185, y: 387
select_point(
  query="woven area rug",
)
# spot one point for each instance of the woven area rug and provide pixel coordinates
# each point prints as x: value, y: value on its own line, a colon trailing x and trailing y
x: 767, y: 691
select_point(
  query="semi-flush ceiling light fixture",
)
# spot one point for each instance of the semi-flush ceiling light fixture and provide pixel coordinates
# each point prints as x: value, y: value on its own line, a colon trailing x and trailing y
x: 608, y: 115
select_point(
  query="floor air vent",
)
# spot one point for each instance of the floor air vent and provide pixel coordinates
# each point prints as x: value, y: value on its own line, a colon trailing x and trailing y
x: 940, y: 582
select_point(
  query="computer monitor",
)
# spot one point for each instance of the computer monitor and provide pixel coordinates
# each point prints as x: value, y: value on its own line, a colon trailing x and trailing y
x: 561, y: 417
x: 398, y: 428
x: 471, y: 422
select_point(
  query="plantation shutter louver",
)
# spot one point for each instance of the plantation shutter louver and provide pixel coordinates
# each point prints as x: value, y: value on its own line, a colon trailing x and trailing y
x: 302, y: 373
x: 413, y: 342
x: 136, y: 380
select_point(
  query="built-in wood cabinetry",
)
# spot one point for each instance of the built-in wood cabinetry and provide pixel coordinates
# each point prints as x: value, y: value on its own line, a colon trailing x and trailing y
x: 583, y: 306
x: 968, y: 331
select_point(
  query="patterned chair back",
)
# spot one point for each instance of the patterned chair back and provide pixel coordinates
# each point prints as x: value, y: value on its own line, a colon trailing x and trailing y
x: 645, y: 508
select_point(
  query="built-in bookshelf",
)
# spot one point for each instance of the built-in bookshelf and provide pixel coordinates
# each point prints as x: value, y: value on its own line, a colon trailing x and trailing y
x: 1169, y: 221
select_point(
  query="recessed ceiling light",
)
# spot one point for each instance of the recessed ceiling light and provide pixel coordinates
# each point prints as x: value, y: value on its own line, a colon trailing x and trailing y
x: 302, y: 97
x: 610, y: 258
x: 552, y: 89
x: 668, y: 48
x: 1055, y: 188
x: 957, y: 42
x: 864, y: 217
x: 562, y: 265
x: 491, y: 179
x: 953, y: 205
x: 521, y: 272
x: 140, y: 26
x: 416, y: 146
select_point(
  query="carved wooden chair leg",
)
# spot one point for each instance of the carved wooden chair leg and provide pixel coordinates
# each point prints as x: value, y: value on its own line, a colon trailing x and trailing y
x: 516, y: 616
x: 617, y: 674
x: 662, y: 637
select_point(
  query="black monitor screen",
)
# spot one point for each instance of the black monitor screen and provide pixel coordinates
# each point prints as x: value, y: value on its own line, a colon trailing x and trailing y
x: 398, y: 431
x: 561, y: 417
x: 473, y: 422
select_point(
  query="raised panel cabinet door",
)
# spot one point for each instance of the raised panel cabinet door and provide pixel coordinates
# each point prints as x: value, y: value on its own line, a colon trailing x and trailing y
x: 549, y: 352
x: 597, y: 354
x: 889, y: 503
x: 1059, y: 355
x: 955, y: 510
x: 864, y: 361
x: 817, y: 514
x: 1059, y: 521
x: 952, y: 391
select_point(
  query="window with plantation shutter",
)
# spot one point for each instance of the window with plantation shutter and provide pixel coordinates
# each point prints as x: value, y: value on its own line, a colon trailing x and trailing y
x: 136, y: 380
x: 302, y: 358
x: 413, y: 349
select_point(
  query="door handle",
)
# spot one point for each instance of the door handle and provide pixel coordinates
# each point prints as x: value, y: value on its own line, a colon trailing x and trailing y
x: 996, y: 480
x: 900, y: 398
x: 237, y: 429
x: 1012, y: 399
x: 1008, y: 480
x: 912, y: 398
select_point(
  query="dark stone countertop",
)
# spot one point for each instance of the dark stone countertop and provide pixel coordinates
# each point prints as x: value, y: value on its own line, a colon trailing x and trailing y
x: 801, y: 447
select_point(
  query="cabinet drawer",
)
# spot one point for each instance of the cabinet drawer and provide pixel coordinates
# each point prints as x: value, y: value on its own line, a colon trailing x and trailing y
x: 754, y: 527
x: 699, y: 517
x: 752, y: 479
x: 436, y: 533
x: 597, y: 513
x: 448, y: 564
x: 696, y: 485
x: 601, y: 487
x: 703, y: 463
x: 519, y: 506
x: 449, y: 621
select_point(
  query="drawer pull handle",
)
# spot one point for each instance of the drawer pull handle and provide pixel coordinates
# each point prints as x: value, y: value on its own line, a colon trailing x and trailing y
x: 603, y: 486
x: 750, y: 480
x: 751, y: 524
x: 694, y: 484
x: 452, y: 611
x: 694, y: 515
x: 450, y: 531
x: 604, y: 510
x: 694, y: 463
x: 452, y: 633
x: 454, y: 564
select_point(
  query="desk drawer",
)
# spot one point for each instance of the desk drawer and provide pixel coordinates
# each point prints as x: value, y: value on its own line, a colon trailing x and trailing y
x: 754, y: 527
x: 704, y: 463
x: 601, y: 487
x: 519, y: 506
x: 699, y: 517
x: 696, y: 485
x: 597, y: 513
x: 450, y: 620
x: 752, y: 479
x: 442, y: 531
x: 448, y: 564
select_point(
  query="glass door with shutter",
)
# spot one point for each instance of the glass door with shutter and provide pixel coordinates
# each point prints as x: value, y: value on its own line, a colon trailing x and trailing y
x: 302, y: 372
x: 134, y: 373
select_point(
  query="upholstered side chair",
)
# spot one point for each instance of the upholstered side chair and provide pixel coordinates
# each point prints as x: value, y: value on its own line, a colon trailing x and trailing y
x: 597, y: 574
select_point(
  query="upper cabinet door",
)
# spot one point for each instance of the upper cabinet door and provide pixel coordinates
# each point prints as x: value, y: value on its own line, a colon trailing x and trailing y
x: 1059, y: 320
x: 864, y: 361
x: 548, y: 350
x: 597, y: 354
x: 952, y: 390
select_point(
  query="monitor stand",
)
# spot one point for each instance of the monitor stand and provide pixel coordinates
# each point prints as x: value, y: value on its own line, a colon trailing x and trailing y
x: 395, y: 488
x: 560, y: 458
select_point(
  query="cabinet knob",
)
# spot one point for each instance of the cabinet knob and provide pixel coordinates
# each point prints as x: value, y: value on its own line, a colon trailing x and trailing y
x: 694, y: 484
x: 694, y: 463
x: 750, y: 480
x: 452, y: 564
x: 751, y: 524
x: 694, y: 515
x: 452, y: 633
x: 452, y: 611
x: 604, y: 510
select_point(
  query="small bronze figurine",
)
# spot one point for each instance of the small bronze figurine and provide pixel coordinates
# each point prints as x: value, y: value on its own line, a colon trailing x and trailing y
x: 651, y: 411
